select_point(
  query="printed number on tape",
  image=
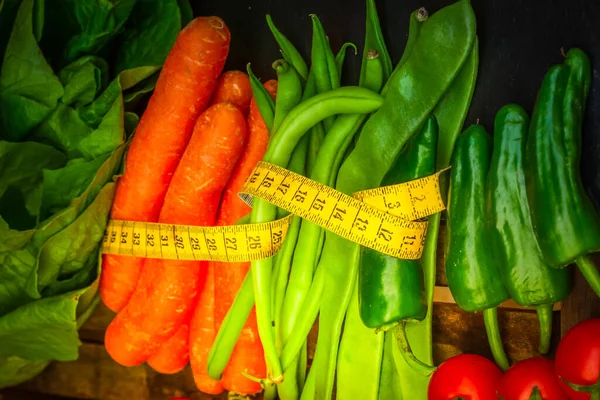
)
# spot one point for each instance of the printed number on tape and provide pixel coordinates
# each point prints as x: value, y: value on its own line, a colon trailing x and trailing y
x: 384, y: 219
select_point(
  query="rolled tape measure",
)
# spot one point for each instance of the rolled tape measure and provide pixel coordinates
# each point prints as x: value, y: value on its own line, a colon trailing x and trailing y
x: 384, y: 219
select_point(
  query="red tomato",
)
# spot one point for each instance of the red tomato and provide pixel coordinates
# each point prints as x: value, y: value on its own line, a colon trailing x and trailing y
x: 578, y: 357
x: 468, y: 376
x: 520, y: 380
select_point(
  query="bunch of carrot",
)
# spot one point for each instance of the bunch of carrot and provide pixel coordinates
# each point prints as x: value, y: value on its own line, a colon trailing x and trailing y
x: 198, y: 140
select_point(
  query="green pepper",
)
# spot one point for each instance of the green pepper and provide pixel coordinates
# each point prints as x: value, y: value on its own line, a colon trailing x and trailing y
x: 391, y: 289
x: 527, y: 276
x: 472, y: 272
x: 566, y: 223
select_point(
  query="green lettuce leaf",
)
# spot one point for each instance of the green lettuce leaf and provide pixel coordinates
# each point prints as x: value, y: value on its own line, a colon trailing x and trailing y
x: 45, y: 329
x: 68, y: 252
x: 99, y: 21
x: 29, y: 89
x: 95, y: 112
x: 83, y: 79
x: 15, y: 370
x: 187, y: 14
x: 21, y: 168
x: 63, y: 185
x: 149, y: 35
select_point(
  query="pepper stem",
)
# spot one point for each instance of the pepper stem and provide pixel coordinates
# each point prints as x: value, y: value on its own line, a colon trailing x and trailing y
x: 535, y: 394
x: 544, y: 313
x: 408, y: 355
x: 490, y: 317
x: 590, y: 272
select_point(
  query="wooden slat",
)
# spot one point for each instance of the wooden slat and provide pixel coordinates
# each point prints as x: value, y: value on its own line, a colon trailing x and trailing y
x: 582, y: 304
x: 96, y: 376
x: 456, y: 331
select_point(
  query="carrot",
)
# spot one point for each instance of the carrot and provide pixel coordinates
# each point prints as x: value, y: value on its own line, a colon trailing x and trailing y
x: 174, y: 355
x: 271, y: 86
x: 247, y: 355
x: 183, y: 90
x: 165, y: 297
x: 202, y: 335
x: 233, y: 87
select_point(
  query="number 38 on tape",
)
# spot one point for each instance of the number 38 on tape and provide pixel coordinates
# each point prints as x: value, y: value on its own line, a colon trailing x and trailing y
x: 384, y: 219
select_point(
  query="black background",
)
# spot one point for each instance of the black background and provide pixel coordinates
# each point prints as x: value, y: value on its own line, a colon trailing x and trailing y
x: 519, y: 40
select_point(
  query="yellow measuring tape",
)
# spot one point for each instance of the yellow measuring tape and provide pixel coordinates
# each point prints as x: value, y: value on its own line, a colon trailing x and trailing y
x: 384, y: 219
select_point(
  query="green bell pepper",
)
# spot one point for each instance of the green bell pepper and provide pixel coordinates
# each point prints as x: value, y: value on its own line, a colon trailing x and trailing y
x: 472, y: 272
x: 566, y: 224
x: 526, y: 275
x: 391, y: 289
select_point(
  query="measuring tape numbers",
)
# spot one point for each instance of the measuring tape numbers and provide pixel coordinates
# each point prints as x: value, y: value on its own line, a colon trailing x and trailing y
x: 234, y: 243
x: 382, y: 219
x: 385, y: 219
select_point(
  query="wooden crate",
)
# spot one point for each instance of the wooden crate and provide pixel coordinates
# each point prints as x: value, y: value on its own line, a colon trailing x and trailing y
x: 96, y: 376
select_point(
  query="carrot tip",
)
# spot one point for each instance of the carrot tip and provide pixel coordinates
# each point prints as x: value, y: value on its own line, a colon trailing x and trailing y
x: 216, y: 22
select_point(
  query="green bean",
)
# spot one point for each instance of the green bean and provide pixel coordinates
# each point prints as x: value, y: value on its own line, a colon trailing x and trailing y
x: 293, y: 127
x: 308, y: 391
x: 374, y: 41
x: 343, y: 100
x: 341, y: 56
x: 389, y: 383
x: 343, y: 150
x: 315, y: 140
x: 270, y: 392
x: 414, y: 29
x: 374, y: 78
x: 310, y: 309
x: 323, y: 64
x: 357, y: 374
x: 264, y: 101
x: 289, y: 90
x: 230, y: 330
x: 306, y: 257
x: 288, y: 50
x: 283, y: 259
x: 302, y: 365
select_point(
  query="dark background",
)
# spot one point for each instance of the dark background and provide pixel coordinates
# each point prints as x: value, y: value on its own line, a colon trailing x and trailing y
x: 519, y: 40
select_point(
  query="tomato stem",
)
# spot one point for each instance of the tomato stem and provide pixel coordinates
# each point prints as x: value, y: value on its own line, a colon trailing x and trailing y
x: 593, y: 389
x: 535, y: 394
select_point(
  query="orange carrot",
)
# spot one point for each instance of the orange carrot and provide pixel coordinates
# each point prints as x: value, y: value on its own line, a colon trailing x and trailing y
x: 247, y: 355
x: 233, y: 87
x: 174, y: 355
x: 271, y: 86
x: 164, y: 299
x: 183, y: 90
x: 202, y: 335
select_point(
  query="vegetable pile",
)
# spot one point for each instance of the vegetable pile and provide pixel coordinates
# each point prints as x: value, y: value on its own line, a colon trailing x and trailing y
x: 73, y: 75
